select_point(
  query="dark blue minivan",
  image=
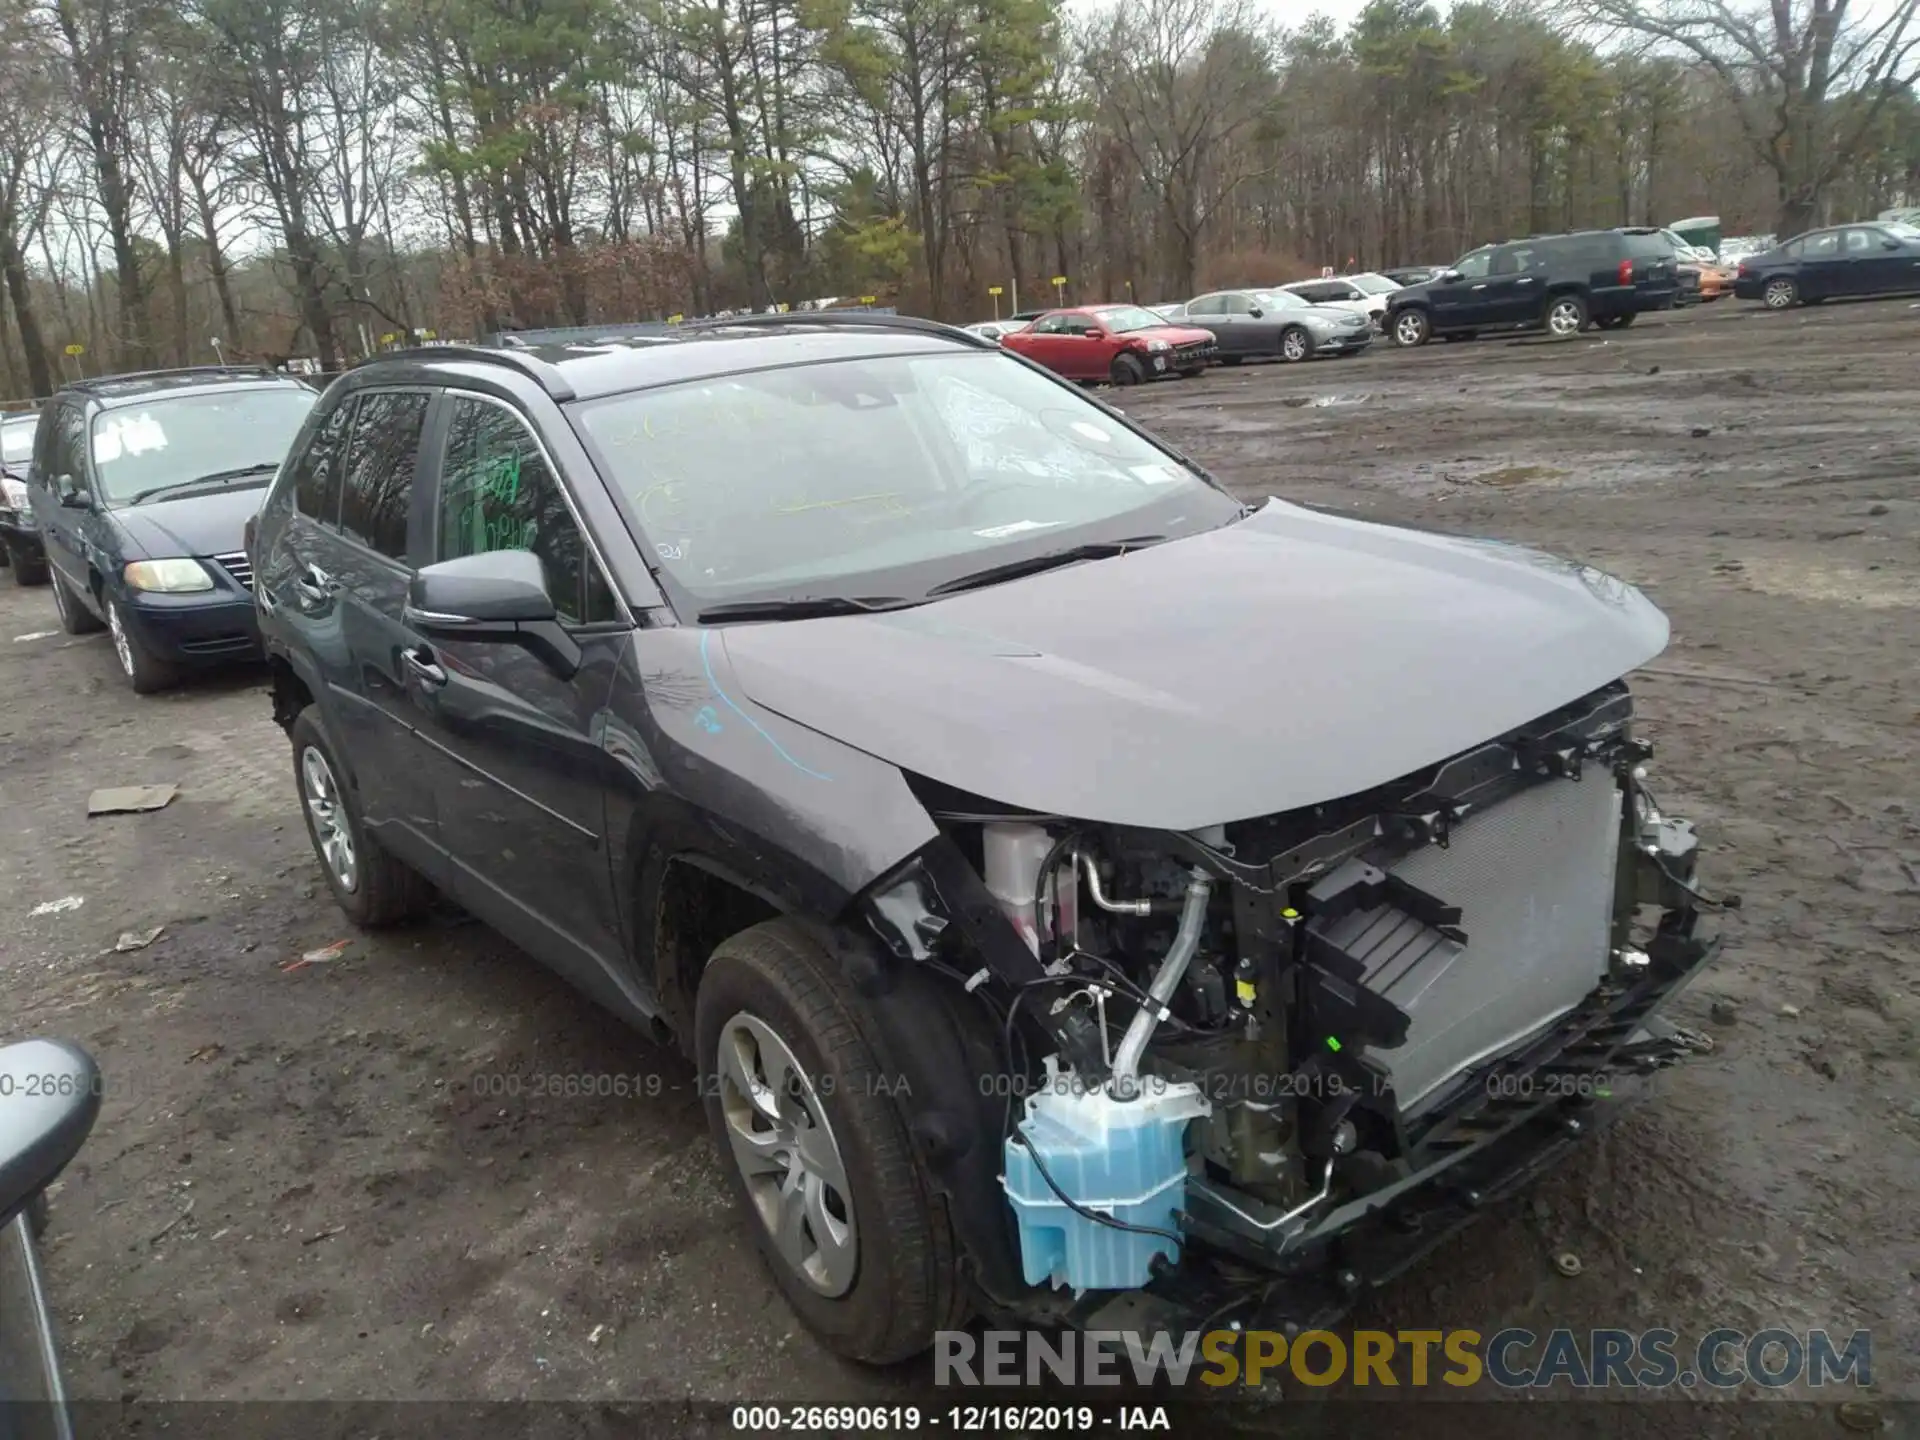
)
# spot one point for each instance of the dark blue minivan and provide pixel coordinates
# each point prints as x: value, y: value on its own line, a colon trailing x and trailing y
x: 142, y: 486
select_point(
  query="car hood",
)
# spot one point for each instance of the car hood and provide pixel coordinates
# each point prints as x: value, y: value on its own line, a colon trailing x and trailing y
x: 1289, y: 659
x: 212, y: 524
x: 1184, y: 333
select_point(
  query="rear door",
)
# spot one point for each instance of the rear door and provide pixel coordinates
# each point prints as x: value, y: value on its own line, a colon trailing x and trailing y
x: 519, y: 775
x: 337, y: 579
x: 1823, y: 266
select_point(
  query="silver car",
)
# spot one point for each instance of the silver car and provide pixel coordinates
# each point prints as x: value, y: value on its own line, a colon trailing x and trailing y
x: 1276, y: 323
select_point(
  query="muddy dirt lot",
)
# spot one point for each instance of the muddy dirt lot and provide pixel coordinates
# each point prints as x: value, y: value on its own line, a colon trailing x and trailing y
x: 294, y: 1189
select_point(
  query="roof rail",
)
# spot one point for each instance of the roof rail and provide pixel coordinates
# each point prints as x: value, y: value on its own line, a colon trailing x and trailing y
x: 89, y: 382
x: 864, y: 319
x: 527, y: 363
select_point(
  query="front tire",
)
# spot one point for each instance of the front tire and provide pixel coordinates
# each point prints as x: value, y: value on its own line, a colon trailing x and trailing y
x: 816, y: 1150
x: 374, y: 888
x: 1780, y: 293
x: 1295, y: 345
x: 145, y: 671
x: 1127, y: 370
x: 75, y: 618
x: 1411, y: 328
x: 1566, y: 316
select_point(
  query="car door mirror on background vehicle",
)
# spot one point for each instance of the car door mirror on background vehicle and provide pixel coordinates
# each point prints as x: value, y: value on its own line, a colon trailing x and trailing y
x: 499, y: 596
x: 70, y: 493
x: 1450, y: 276
x: 1256, y: 313
x: 1891, y: 244
x: 49, y: 1099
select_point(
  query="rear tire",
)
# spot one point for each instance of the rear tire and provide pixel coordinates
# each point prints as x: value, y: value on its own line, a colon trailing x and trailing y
x: 782, y: 1056
x: 1566, y: 316
x: 75, y: 618
x: 27, y: 569
x: 374, y: 888
x: 1410, y: 328
x: 1780, y: 293
x: 1127, y: 370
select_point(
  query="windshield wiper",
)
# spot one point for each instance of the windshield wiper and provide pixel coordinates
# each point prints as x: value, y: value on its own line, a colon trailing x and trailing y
x: 805, y: 607
x: 218, y: 477
x: 1047, y: 560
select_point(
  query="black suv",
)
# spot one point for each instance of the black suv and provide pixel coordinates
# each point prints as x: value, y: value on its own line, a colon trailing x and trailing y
x: 1557, y: 283
x: 904, y: 733
x: 141, y: 486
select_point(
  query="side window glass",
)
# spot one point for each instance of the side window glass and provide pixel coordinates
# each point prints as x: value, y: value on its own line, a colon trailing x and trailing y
x: 316, y: 475
x: 1076, y: 324
x: 1049, y: 325
x: 1859, y: 242
x: 69, y: 448
x: 1206, y: 305
x: 1792, y: 250
x: 1474, y: 266
x: 1236, y: 305
x: 496, y: 493
x: 1824, y: 247
x: 379, y: 469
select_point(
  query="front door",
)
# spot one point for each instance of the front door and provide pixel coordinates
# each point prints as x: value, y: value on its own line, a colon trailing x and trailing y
x: 1515, y: 293
x: 520, y: 776
x: 1459, y: 304
x: 60, y: 470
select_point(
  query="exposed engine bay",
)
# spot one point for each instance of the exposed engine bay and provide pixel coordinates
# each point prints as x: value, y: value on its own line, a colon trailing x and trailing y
x: 1242, y: 1042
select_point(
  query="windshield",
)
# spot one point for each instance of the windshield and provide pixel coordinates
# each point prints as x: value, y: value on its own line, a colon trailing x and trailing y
x: 1121, y: 319
x: 1901, y: 229
x: 1280, y: 300
x: 880, y: 477
x: 176, y: 439
x: 16, y: 440
x: 1371, y: 284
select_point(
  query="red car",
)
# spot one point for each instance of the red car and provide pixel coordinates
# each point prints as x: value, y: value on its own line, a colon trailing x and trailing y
x: 1122, y: 343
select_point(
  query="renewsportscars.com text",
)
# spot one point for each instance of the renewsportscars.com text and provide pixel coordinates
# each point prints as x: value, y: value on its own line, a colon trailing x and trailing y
x: 1512, y: 1358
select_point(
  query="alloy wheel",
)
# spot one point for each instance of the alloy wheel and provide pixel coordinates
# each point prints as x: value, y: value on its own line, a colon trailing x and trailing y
x: 122, y: 646
x: 1293, y: 345
x: 787, y: 1154
x: 1409, y: 329
x: 1565, y: 319
x: 327, y: 810
x: 1779, y: 294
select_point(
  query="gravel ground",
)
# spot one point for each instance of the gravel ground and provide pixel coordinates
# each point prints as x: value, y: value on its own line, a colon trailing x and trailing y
x: 295, y: 1190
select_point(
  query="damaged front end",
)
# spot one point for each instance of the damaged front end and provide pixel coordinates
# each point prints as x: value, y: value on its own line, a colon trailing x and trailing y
x: 1300, y: 1048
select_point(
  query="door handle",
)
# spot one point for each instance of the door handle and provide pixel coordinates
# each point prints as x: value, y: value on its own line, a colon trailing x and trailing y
x: 420, y: 662
x: 1480, y: 286
x: 1524, y: 280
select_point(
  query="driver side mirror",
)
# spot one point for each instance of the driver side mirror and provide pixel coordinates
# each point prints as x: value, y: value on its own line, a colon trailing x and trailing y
x: 499, y: 597
x: 1890, y: 244
x: 1256, y: 313
x: 1094, y: 334
x: 70, y: 493
x: 1449, y: 276
x: 49, y: 1099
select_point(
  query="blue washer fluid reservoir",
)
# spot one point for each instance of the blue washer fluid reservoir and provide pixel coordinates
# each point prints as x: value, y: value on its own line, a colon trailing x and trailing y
x: 1124, y: 1158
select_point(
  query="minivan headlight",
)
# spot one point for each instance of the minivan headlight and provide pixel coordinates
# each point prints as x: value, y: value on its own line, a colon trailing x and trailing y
x: 170, y: 577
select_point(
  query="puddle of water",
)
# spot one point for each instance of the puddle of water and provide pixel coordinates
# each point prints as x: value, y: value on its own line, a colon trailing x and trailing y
x: 1322, y: 402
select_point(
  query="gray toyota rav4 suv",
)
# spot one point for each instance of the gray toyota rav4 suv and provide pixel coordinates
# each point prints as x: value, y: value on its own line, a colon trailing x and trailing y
x: 1089, y: 899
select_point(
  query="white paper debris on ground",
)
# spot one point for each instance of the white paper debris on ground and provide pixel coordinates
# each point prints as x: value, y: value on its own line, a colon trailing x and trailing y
x: 130, y: 799
x: 34, y: 635
x: 137, y: 939
x: 54, y: 907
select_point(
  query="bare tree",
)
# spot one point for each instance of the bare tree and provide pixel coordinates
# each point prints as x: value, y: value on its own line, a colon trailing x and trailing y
x: 1807, y: 78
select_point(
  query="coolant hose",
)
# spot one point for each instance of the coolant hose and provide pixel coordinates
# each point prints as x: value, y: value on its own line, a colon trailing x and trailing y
x: 1186, y: 940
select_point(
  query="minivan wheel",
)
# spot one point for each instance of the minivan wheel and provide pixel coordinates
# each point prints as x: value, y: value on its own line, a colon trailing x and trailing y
x: 817, y: 1150
x: 1780, y: 293
x: 1411, y: 327
x: 1295, y: 345
x: 1566, y: 316
x: 75, y: 618
x: 368, y: 883
x: 143, y: 671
